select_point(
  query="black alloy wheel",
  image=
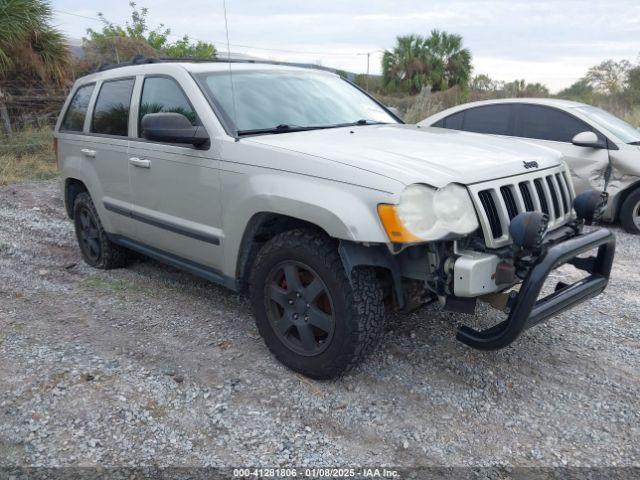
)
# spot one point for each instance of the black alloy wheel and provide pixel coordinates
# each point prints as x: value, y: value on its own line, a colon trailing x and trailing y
x: 300, y: 308
x: 88, y: 234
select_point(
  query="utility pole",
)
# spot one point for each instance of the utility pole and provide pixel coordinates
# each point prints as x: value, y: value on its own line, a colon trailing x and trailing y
x: 368, y: 54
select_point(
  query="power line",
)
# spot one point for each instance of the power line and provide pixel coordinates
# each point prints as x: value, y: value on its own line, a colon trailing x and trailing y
x: 77, y: 15
x: 252, y: 47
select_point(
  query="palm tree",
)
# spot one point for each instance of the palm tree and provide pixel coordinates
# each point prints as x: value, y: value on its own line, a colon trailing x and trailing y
x: 438, y: 61
x: 406, y: 68
x: 451, y: 62
x: 30, y: 49
x: 29, y: 46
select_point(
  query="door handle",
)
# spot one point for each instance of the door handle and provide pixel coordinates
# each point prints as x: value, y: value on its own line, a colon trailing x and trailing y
x: 88, y: 153
x: 139, y: 162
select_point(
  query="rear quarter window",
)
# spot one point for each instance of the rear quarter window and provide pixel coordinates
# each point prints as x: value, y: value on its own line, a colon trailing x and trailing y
x: 76, y: 113
x: 111, y: 113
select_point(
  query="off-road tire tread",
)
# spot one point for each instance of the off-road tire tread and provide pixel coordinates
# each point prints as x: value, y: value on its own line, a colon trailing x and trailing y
x: 113, y: 255
x: 363, y: 294
x: 626, y: 211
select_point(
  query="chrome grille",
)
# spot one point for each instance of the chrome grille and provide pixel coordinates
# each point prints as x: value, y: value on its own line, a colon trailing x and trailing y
x: 499, y: 201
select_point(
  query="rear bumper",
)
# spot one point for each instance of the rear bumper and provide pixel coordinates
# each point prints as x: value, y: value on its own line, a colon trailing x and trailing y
x: 528, y: 311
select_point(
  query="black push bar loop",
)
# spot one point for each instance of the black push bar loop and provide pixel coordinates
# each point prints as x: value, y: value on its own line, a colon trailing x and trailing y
x: 528, y: 311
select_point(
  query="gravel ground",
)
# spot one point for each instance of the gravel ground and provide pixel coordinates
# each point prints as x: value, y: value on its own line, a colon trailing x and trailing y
x: 151, y: 366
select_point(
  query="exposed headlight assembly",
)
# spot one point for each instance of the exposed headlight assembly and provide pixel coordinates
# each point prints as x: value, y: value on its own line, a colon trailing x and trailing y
x: 426, y: 213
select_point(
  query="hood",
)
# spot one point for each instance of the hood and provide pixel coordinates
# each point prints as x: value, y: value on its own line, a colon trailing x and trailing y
x: 409, y: 154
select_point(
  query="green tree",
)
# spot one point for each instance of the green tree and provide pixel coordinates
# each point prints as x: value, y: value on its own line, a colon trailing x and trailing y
x: 407, y: 67
x: 116, y: 43
x: 609, y: 76
x: 580, y: 90
x: 483, y: 83
x: 438, y: 61
x: 520, y: 88
x: 184, y: 48
x: 451, y: 62
x: 30, y: 48
x: 633, y: 84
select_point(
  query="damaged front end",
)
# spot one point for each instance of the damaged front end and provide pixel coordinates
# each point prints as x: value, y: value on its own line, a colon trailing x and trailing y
x: 524, y: 309
x: 484, y: 267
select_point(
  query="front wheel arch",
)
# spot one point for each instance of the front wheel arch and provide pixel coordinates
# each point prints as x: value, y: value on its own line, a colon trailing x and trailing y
x: 622, y: 196
x: 261, y: 228
x: 628, y: 210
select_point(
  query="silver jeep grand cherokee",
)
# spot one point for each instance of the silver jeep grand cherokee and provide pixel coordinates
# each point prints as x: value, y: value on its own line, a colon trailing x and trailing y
x: 298, y: 188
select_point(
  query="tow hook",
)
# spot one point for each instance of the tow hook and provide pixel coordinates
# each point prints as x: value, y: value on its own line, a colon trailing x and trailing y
x: 500, y: 301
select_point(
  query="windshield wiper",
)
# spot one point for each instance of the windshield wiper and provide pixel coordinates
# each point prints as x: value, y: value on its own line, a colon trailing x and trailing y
x: 636, y: 142
x: 286, y: 128
x: 282, y: 128
x: 365, y: 121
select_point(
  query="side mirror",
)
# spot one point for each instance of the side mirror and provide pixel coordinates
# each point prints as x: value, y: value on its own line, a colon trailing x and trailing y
x: 172, y: 128
x: 395, y: 111
x: 588, y: 139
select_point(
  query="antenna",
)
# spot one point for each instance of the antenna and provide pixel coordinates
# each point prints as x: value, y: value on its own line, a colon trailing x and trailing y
x: 233, y: 93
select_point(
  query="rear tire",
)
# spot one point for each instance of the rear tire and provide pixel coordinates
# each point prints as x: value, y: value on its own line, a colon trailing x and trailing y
x: 630, y: 212
x: 312, y: 318
x: 97, y: 250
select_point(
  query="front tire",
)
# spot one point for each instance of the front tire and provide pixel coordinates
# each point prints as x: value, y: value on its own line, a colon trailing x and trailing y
x: 97, y: 250
x: 312, y: 318
x: 630, y: 212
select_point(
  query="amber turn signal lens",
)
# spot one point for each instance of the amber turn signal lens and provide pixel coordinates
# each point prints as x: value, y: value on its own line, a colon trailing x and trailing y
x: 396, y: 232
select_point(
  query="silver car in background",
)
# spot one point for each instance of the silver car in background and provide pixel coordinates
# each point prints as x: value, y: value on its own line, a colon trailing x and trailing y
x: 602, y: 150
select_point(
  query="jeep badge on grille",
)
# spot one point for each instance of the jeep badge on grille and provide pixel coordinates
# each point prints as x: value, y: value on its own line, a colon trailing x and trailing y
x: 528, y: 165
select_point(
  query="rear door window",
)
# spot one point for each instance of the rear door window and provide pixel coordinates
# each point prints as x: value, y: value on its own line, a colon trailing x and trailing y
x: 111, y: 113
x: 161, y: 94
x: 546, y: 123
x: 77, y: 111
x: 492, y: 119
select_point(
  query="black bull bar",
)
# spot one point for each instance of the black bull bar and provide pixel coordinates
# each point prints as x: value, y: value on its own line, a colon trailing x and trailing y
x: 528, y: 311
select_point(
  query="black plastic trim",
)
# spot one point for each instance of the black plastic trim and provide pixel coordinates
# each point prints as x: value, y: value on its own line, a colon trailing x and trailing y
x: 528, y: 311
x: 355, y: 254
x: 187, y: 232
x: 190, y: 266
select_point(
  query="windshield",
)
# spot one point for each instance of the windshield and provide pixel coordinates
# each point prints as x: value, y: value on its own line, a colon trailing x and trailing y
x: 615, y: 125
x: 282, y: 100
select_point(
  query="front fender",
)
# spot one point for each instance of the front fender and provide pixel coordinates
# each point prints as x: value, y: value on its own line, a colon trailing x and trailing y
x: 342, y: 210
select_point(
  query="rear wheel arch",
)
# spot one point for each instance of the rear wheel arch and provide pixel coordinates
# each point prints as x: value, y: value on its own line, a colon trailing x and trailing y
x: 72, y: 188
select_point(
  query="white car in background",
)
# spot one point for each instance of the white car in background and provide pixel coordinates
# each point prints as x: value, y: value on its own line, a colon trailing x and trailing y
x: 603, y: 151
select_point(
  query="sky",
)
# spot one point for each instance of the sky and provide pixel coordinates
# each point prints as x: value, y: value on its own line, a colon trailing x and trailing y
x: 552, y: 42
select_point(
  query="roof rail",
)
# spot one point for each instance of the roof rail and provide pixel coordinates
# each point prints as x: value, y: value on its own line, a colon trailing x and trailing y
x: 141, y: 60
